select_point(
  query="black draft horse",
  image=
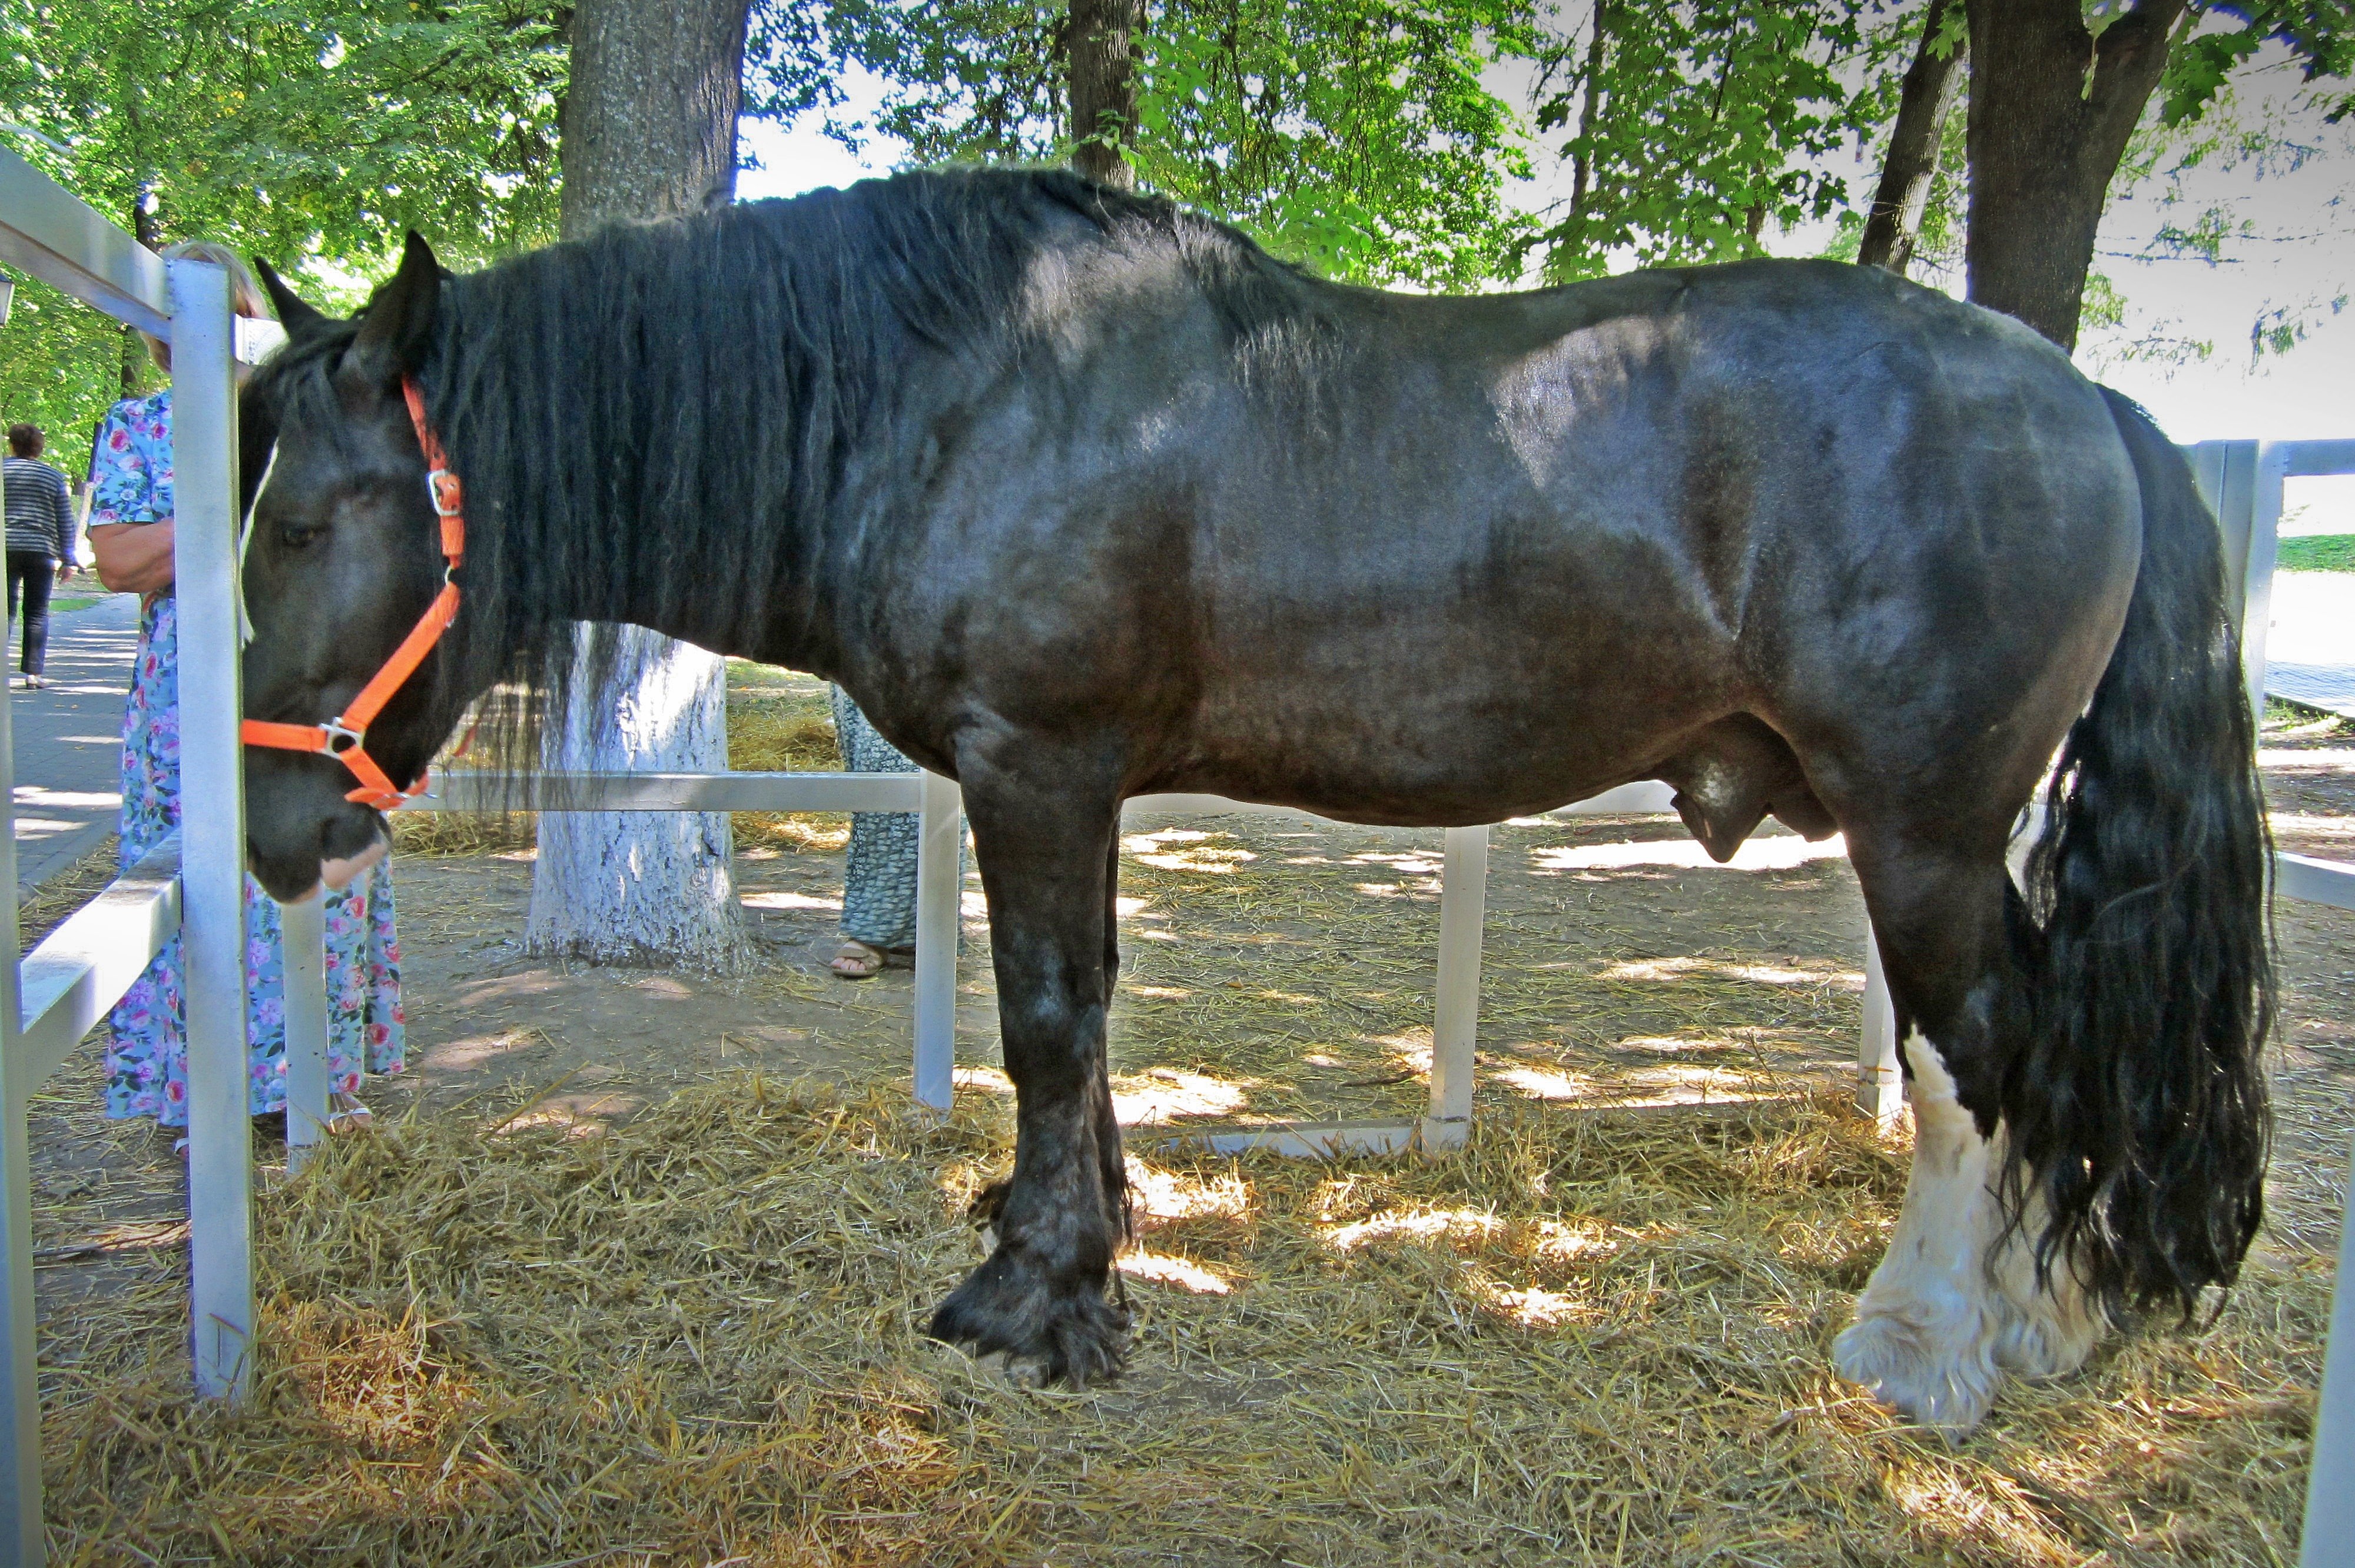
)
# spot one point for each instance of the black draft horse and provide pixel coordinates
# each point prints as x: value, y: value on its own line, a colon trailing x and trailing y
x: 1082, y: 496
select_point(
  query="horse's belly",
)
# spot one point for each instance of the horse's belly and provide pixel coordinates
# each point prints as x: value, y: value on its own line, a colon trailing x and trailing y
x: 1441, y: 745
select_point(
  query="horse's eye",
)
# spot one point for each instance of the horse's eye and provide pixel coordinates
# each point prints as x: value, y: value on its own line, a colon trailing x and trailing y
x: 294, y: 535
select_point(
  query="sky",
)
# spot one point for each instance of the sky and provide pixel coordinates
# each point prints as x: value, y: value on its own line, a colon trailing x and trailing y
x: 2300, y: 254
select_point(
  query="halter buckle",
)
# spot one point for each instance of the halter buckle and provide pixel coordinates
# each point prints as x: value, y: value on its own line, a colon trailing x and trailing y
x: 342, y: 738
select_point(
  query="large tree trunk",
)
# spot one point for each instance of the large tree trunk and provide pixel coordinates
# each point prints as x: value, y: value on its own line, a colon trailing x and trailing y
x: 649, y: 131
x: 2052, y: 108
x: 1104, y: 87
x: 1894, y: 222
x: 649, y: 119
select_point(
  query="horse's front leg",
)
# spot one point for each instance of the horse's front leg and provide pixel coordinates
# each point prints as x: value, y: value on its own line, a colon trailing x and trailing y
x: 1041, y: 1295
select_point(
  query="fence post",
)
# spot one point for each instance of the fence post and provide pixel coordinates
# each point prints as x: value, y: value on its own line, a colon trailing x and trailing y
x: 2329, y: 1538
x: 20, y: 1392
x: 938, y: 839
x: 1880, y: 1081
x: 1463, y: 904
x: 2256, y: 600
x: 305, y: 928
x: 212, y: 830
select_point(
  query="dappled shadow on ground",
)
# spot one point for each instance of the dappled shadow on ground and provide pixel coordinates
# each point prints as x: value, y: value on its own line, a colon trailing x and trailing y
x: 696, y: 1336
x: 1295, y: 962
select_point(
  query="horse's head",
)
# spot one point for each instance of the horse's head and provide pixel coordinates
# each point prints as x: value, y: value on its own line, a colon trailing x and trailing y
x: 342, y: 557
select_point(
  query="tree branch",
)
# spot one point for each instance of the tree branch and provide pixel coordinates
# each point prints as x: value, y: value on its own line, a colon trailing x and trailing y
x: 1932, y: 82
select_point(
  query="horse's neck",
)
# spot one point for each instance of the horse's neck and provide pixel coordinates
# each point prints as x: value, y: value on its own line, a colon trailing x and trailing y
x: 698, y: 579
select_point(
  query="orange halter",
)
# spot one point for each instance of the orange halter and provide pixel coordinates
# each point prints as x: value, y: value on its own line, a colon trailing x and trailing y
x: 345, y: 737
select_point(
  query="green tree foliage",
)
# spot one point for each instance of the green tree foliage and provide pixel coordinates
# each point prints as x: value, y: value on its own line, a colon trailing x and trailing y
x: 310, y: 131
x: 1354, y: 135
x: 1696, y: 123
x: 60, y: 365
x: 2218, y: 36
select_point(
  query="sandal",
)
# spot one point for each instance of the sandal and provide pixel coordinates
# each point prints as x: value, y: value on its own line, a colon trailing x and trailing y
x: 345, y: 1114
x: 858, y: 961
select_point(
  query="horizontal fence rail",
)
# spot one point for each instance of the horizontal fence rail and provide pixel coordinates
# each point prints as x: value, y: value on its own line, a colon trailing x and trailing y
x: 48, y: 231
x: 82, y: 970
x: 2313, y: 881
x: 460, y: 789
x: 464, y: 789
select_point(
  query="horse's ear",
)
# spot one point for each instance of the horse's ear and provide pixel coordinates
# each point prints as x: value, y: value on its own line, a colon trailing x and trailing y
x: 295, y: 316
x: 396, y: 326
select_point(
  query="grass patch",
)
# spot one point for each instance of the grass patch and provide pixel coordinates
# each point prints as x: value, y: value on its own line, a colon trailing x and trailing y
x: 2317, y: 553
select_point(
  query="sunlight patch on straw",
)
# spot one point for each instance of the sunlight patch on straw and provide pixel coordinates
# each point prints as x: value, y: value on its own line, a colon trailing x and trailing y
x: 1547, y: 1083
x: 1427, y: 1224
x: 1166, y: 1092
x: 1164, y: 1195
x: 1674, y: 968
x: 1777, y: 854
x: 1159, y: 1268
x: 986, y: 1080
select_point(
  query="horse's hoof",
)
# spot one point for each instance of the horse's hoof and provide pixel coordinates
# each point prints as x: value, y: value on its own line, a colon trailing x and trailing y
x: 1934, y: 1375
x: 1058, y: 1330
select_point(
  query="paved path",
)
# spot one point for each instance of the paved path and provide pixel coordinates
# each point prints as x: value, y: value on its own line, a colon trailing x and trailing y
x: 2310, y: 650
x: 69, y: 737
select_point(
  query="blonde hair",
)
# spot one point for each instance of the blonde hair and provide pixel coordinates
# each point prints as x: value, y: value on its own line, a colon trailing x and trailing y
x: 245, y: 295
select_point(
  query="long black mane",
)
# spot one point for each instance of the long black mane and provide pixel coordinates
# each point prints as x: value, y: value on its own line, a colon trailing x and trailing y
x: 673, y: 406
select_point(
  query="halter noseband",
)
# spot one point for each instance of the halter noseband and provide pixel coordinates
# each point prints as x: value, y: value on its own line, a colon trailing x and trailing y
x: 345, y: 737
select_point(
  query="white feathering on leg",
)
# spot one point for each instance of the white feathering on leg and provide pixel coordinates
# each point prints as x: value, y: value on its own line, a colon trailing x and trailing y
x: 1955, y: 1302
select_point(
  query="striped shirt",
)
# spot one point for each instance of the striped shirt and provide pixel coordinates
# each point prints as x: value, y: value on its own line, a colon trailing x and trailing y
x: 40, y: 517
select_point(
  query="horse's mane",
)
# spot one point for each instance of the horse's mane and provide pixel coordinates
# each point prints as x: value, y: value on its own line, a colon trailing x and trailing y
x: 677, y: 406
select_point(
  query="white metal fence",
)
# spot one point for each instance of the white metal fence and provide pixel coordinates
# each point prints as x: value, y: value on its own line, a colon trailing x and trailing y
x: 192, y: 885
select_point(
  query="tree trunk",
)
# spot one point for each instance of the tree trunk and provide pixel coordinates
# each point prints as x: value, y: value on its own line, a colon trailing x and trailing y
x: 1894, y: 222
x: 649, y: 119
x: 2052, y: 108
x: 1590, y: 113
x: 134, y: 347
x: 1103, y: 57
x: 649, y: 131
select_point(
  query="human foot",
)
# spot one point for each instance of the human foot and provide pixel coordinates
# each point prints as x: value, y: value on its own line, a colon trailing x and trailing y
x: 857, y: 960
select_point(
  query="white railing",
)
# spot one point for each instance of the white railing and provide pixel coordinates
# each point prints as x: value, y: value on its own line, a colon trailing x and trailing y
x: 194, y: 884
x: 83, y: 967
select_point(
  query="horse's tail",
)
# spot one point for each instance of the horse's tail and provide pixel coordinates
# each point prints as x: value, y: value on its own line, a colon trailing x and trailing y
x: 2138, y: 1115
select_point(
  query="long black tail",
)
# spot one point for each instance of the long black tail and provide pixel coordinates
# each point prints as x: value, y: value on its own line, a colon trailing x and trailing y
x: 2139, y: 1115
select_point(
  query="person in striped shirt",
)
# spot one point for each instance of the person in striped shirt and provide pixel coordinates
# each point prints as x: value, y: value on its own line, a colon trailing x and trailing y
x: 40, y: 539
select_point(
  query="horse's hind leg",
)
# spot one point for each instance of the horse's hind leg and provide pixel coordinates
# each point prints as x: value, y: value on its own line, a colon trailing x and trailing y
x: 1955, y: 1302
x: 1042, y: 844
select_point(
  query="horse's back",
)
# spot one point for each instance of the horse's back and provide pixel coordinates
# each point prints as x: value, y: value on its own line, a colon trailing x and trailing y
x: 1539, y: 543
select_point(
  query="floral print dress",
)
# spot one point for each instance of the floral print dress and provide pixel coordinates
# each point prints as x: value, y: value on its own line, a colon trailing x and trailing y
x: 147, y: 1053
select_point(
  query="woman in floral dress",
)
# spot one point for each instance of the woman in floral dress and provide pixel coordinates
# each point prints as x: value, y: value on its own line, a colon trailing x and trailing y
x: 129, y: 531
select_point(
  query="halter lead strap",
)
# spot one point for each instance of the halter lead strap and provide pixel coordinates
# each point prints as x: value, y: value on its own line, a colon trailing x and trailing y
x: 345, y: 737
